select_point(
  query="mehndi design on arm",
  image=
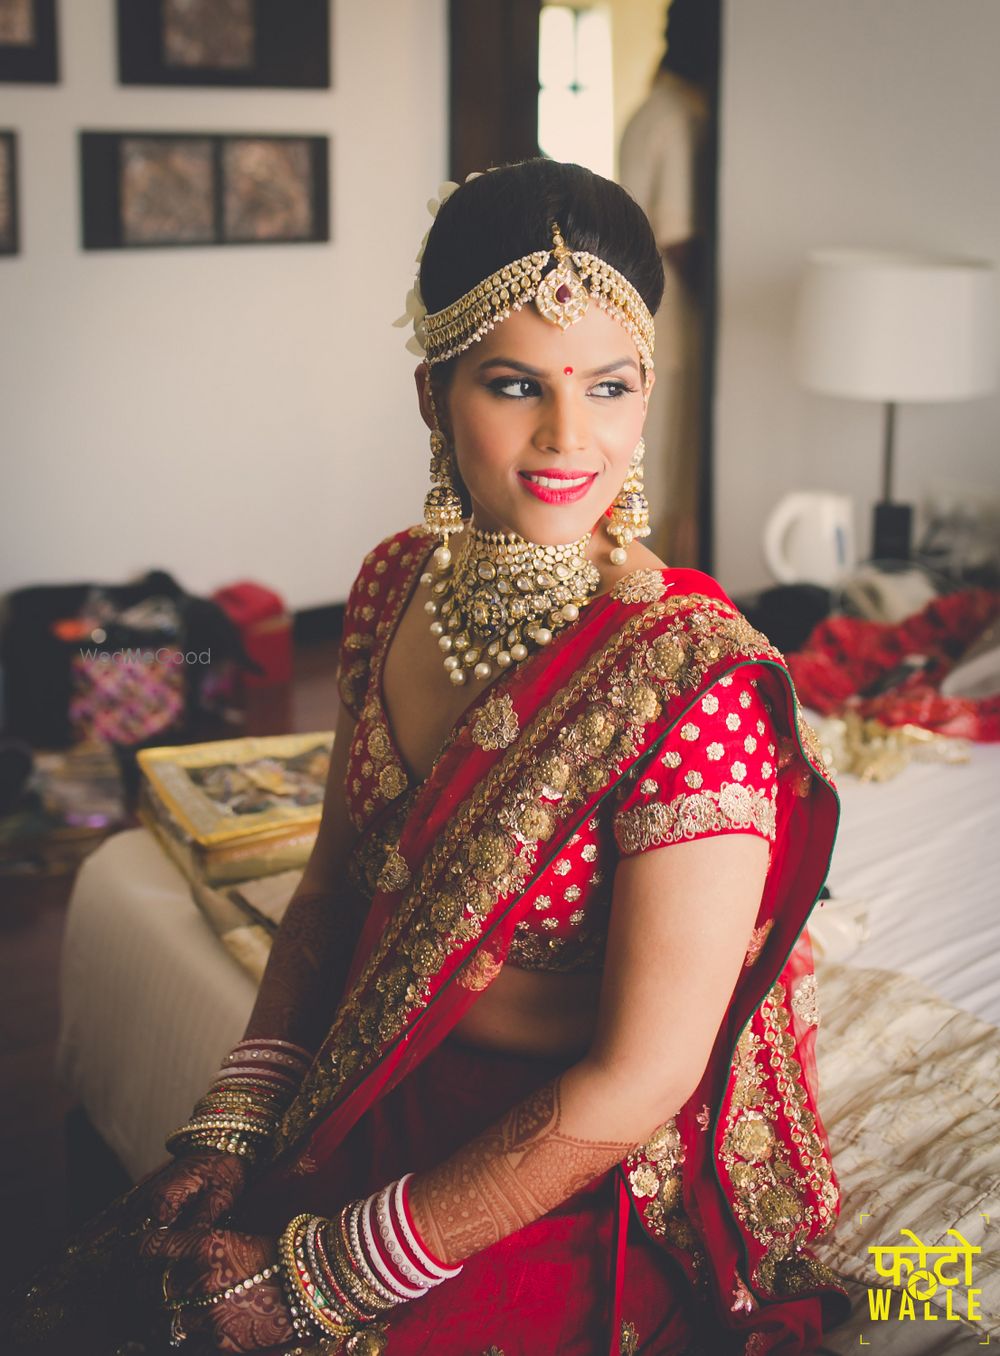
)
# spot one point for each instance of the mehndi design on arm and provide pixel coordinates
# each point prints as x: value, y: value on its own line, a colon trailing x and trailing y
x: 508, y: 1177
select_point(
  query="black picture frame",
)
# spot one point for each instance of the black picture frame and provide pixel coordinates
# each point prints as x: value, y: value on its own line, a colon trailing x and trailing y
x: 10, y: 235
x: 193, y: 181
x: 291, y: 47
x: 35, y: 61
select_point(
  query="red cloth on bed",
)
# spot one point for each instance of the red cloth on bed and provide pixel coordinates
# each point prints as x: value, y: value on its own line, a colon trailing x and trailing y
x: 844, y: 657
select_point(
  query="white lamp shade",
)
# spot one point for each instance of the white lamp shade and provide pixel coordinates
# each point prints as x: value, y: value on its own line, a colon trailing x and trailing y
x: 896, y: 327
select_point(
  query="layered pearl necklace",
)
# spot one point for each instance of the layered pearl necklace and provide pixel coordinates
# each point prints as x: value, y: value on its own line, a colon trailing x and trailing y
x: 502, y: 596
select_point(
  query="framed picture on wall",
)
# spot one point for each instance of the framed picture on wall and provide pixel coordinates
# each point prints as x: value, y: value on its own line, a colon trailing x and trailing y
x: 144, y: 190
x: 9, y: 241
x: 28, y: 51
x: 283, y: 43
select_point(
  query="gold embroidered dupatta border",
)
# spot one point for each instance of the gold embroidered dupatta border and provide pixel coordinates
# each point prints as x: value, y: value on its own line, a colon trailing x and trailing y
x: 530, y: 798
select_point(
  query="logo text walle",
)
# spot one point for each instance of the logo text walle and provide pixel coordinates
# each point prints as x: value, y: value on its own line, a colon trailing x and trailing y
x: 952, y: 1270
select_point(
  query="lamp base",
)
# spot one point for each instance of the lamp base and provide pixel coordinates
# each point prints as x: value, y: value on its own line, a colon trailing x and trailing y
x: 892, y: 529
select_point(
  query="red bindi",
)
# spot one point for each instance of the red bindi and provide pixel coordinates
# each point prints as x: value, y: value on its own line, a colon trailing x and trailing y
x: 567, y: 371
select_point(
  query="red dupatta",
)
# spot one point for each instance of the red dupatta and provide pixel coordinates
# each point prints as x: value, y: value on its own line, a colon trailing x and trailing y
x: 740, y: 1179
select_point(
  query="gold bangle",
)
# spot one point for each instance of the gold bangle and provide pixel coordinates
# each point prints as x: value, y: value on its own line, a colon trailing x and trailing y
x: 303, y: 1311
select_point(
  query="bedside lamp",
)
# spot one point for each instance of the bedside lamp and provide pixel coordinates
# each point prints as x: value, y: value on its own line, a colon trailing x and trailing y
x: 894, y: 327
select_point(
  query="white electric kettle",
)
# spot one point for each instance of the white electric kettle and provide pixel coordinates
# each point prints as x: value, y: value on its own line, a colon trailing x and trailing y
x: 809, y: 538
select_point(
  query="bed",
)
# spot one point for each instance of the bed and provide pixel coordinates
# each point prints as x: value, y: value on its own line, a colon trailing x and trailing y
x: 908, y: 1045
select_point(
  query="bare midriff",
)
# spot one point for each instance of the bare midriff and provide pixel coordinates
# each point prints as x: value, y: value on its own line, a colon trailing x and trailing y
x: 533, y: 1012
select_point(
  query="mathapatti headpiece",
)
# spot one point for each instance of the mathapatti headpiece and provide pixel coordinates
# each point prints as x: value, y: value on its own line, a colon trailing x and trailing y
x: 562, y: 295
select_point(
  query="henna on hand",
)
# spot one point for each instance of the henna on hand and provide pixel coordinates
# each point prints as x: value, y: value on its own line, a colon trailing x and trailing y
x: 206, y: 1261
x: 205, y: 1183
x: 511, y: 1175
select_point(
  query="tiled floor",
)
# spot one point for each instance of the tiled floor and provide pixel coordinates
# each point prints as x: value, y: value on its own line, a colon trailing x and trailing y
x: 33, y: 1175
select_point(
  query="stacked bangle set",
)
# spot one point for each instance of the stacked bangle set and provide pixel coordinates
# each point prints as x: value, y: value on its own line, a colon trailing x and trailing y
x: 241, y: 1110
x: 341, y: 1275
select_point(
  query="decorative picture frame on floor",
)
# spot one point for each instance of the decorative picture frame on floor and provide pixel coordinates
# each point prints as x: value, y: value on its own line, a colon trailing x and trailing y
x: 9, y: 233
x: 276, y: 43
x: 144, y: 190
x: 29, y: 53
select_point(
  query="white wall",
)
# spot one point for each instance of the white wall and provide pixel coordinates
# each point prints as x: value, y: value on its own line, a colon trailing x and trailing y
x: 222, y: 413
x: 859, y: 122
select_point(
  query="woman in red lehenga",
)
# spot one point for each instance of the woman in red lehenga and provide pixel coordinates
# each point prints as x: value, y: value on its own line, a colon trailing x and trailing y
x: 531, y: 1068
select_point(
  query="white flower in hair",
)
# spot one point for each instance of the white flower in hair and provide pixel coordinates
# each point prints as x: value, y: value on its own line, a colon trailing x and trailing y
x: 415, y: 308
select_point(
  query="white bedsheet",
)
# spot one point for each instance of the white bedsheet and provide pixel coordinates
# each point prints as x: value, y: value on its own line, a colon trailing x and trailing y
x: 922, y: 852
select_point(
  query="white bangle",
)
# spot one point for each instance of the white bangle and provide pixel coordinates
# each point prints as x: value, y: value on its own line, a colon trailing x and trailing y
x: 438, y: 1272
x: 393, y: 1246
x: 403, y: 1291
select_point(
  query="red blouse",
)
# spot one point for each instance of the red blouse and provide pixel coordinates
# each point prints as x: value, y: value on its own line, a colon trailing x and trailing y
x: 717, y: 772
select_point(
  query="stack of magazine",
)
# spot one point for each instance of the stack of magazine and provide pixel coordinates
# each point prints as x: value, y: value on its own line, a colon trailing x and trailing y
x: 239, y: 817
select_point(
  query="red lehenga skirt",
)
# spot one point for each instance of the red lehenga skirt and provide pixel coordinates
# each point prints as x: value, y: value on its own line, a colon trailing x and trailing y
x: 551, y: 1287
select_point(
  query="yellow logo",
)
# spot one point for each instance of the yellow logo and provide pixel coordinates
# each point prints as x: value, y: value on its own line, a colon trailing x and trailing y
x: 922, y: 1280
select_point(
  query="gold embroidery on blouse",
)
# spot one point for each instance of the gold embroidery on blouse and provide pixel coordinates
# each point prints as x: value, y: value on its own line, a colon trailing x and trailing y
x: 372, y: 849
x: 589, y: 852
x: 496, y: 725
x: 641, y: 586
x: 629, y: 1342
x: 395, y: 874
x: 688, y: 816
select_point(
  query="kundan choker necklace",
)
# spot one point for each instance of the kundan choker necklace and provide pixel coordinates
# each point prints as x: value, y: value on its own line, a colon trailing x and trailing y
x: 502, y: 596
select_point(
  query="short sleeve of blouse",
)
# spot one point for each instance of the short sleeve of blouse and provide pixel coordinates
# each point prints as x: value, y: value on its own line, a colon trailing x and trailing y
x: 715, y: 773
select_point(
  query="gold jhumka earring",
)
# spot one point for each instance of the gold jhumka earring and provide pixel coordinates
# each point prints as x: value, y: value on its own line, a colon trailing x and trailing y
x: 630, y: 511
x: 442, y: 506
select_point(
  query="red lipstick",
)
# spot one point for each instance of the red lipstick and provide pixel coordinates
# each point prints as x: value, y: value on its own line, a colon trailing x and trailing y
x: 543, y: 485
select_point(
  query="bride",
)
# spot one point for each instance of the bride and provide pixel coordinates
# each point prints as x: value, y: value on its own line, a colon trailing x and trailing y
x: 531, y: 1068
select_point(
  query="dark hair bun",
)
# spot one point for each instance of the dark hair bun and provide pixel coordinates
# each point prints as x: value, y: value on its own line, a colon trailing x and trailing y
x: 503, y: 215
